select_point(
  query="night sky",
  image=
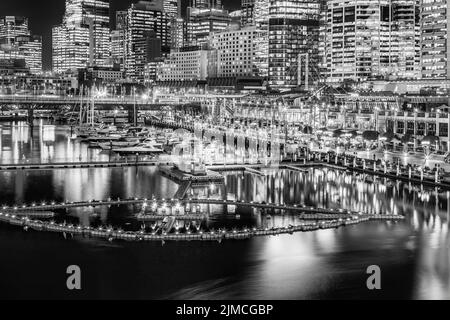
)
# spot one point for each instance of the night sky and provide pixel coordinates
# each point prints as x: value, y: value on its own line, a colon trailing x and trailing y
x: 43, y: 14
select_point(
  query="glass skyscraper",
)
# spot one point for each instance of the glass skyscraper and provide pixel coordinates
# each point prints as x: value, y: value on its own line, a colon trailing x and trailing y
x: 372, y: 39
x: 85, y: 33
x: 204, y: 18
x: 435, y: 51
x: 147, y: 36
x: 293, y: 42
x: 11, y: 27
x: 17, y: 42
x: 248, y: 7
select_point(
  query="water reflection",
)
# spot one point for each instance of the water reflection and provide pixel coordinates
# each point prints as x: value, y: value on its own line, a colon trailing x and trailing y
x: 414, y: 254
x: 43, y: 143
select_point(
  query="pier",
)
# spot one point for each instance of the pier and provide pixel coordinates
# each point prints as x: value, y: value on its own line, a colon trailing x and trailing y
x: 170, y: 125
x: 294, y: 168
x: 254, y: 171
x: 179, y: 176
x: 372, y: 168
x: 182, y: 190
x: 76, y: 165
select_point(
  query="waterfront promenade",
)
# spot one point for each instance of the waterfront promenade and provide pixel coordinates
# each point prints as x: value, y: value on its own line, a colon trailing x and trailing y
x: 317, y: 159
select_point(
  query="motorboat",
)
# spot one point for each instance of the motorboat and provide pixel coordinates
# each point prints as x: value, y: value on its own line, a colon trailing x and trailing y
x: 98, y: 138
x: 174, y: 141
x: 141, y: 149
x: 107, y: 130
x: 438, y: 156
x: 121, y: 143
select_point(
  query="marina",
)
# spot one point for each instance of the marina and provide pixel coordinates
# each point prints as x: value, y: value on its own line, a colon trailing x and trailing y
x: 232, y: 215
x: 212, y: 150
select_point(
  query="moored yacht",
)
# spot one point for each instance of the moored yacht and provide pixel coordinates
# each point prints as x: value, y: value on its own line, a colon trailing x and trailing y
x: 148, y: 147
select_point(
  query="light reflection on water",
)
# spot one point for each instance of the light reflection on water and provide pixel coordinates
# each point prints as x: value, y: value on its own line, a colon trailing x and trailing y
x: 413, y: 255
x: 45, y: 143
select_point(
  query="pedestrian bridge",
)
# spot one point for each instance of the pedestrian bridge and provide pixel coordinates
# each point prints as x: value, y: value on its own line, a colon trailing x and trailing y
x: 332, y: 218
x: 177, y: 203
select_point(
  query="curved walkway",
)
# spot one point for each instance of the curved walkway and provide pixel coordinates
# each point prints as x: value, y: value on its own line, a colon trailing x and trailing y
x: 335, y: 219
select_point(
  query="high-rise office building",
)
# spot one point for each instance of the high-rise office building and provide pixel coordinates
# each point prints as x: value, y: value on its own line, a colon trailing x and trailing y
x: 150, y: 71
x: 435, y: 29
x: 372, y: 39
x: 87, y: 32
x: 204, y: 18
x: 202, y: 4
x: 118, y: 40
x: 235, y: 53
x: 236, y: 19
x: 12, y: 27
x: 178, y: 34
x: 406, y: 42
x: 121, y: 20
x: 31, y: 49
x: 146, y: 49
x: 16, y: 42
x: 261, y: 21
x: 184, y: 66
x: 322, y: 60
x: 177, y: 24
x: 59, y: 49
x: 118, y: 48
x: 293, y: 42
x: 147, y: 21
x: 172, y: 8
x: 248, y: 7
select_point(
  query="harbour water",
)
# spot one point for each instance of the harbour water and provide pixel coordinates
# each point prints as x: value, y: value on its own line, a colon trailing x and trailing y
x: 413, y: 254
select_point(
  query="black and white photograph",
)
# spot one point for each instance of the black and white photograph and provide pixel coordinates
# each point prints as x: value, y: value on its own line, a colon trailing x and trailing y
x: 234, y: 152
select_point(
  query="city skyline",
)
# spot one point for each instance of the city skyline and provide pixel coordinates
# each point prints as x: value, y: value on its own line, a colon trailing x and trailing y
x: 294, y: 44
x: 293, y: 149
x: 44, y: 15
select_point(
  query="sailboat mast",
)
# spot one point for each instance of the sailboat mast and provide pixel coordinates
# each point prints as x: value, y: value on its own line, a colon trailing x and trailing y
x: 92, y: 107
x: 80, y: 122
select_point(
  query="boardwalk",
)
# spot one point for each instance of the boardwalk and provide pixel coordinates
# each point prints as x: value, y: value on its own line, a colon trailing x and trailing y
x: 369, y: 167
x: 175, y: 202
x: 254, y: 171
x: 112, y: 234
x: 182, y: 190
x: 214, y: 170
x: 76, y: 165
x: 17, y: 216
x: 159, y: 217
